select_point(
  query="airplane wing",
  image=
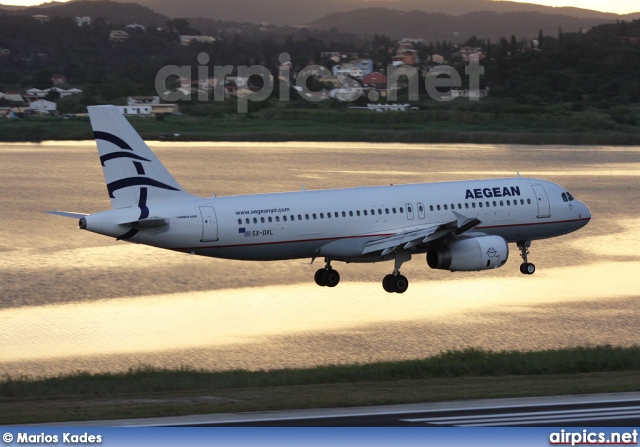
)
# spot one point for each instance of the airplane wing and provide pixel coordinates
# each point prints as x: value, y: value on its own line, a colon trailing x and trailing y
x: 405, y: 240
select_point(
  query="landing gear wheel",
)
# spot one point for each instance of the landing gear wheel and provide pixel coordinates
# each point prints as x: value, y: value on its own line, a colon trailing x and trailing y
x: 527, y: 268
x: 331, y: 277
x: 400, y: 284
x: 319, y: 278
x: 386, y: 283
x: 395, y: 283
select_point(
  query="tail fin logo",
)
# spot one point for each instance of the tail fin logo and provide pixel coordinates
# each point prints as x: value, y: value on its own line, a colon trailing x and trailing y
x: 128, y: 181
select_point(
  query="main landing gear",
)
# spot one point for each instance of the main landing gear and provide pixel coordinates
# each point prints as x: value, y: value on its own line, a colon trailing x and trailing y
x: 327, y: 277
x: 392, y: 283
x: 395, y: 282
x: 526, y: 268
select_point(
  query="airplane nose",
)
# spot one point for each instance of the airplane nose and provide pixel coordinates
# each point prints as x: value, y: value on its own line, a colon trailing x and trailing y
x: 584, y: 212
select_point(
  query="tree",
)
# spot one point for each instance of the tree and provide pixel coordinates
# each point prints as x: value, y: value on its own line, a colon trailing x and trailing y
x: 540, y: 39
x: 42, y: 79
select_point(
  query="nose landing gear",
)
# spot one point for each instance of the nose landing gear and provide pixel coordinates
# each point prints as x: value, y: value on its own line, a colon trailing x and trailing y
x: 526, y: 268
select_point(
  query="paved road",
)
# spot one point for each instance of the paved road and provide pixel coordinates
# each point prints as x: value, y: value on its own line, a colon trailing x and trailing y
x: 618, y: 409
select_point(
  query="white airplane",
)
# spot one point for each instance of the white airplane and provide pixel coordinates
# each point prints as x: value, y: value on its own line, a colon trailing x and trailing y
x: 461, y: 226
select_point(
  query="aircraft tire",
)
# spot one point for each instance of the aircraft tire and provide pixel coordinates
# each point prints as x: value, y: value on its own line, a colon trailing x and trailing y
x: 319, y: 278
x: 526, y: 268
x: 386, y: 283
x: 400, y: 284
x: 331, y: 278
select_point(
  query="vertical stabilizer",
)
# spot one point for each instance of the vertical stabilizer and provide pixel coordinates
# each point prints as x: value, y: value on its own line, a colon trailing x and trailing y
x: 134, y: 175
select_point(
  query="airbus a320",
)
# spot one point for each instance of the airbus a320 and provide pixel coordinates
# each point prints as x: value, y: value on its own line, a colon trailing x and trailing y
x: 460, y: 226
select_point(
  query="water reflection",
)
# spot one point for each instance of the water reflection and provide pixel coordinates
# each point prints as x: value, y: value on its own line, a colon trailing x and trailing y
x: 72, y: 300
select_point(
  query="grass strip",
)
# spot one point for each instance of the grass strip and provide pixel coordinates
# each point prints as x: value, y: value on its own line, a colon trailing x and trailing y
x: 452, y: 375
x: 463, y: 363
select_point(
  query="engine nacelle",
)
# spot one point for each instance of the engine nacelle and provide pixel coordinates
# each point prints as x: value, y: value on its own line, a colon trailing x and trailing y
x: 470, y: 254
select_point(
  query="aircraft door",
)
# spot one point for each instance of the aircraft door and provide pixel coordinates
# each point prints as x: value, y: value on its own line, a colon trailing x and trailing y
x: 544, y: 208
x: 209, y: 224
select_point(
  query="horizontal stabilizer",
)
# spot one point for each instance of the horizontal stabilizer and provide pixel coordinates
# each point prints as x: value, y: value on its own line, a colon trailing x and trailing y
x: 67, y: 214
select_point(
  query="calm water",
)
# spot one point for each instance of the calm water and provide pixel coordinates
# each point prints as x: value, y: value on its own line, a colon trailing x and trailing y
x: 73, y: 300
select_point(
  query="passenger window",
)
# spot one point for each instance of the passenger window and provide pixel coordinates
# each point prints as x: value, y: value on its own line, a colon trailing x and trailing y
x: 321, y: 215
x: 521, y: 201
x: 248, y: 221
x: 445, y: 207
x: 508, y: 202
x: 431, y: 207
x: 262, y: 219
x: 278, y: 218
x: 344, y: 214
x: 473, y: 204
x: 401, y: 210
x: 239, y: 221
x: 350, y: 213
x: 379, y: 210
x: 386, y: 210
x: 270, y: 219
x: 365, y: 212
x: 459, y: 206
x: 315, y: 216
x: 480, y: 204
x: 255, y: 220
x: 409, y: 209
x: 394, y: 211
x: 466, y: 205
x: 358, y: 212
x: 438, y: 207
x: 529, y: 201
x: 306, y: 216
x: 328, y: 215
x: 494, y: 203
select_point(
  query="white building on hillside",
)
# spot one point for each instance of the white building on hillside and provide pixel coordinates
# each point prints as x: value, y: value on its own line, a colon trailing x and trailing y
x: 137, y: 110
x: 42, y: 105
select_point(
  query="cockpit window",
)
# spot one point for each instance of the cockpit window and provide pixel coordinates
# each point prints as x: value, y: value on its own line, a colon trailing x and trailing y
x: 570, y: 197
x: 567, y: 197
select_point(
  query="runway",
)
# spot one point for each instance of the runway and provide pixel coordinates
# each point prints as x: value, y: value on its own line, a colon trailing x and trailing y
x: 598, y: 410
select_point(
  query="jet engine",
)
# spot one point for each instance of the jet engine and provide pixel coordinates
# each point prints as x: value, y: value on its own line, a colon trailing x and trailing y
x: 470, y: 254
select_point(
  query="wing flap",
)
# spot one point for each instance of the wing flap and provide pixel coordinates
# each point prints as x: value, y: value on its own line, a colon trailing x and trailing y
x: 408, y: 239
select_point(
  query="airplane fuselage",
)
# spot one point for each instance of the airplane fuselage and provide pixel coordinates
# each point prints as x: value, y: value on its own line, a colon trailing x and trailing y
x: 299, y: 224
